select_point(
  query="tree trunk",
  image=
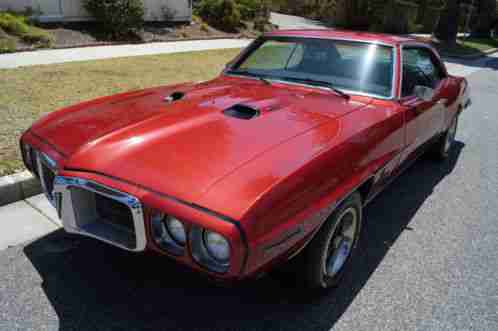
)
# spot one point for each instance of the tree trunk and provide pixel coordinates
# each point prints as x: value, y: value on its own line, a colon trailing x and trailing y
x: 486, y: 14
x: 447, y: 28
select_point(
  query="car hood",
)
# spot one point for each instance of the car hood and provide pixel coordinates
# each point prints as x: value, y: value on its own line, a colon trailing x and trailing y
x: 181, y: 148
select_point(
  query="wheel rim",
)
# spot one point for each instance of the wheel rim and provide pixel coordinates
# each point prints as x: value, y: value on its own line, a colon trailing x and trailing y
x: 450, y: 137
x: 341, y: 243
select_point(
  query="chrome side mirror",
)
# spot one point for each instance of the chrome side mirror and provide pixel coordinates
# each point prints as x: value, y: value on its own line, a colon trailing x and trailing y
x: 424, y: 93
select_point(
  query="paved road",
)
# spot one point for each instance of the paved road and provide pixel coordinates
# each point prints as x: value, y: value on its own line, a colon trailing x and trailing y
x: 428, y: 261
x: 285, y: 22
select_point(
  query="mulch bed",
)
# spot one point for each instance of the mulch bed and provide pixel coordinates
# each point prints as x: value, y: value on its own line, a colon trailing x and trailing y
x: 87, y: 34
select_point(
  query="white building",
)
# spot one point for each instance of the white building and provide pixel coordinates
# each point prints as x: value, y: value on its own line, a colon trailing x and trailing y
x: 72, y: 10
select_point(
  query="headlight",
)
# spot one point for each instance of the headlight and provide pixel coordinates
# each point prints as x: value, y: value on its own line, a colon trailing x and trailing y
x: 176, y: 230
x: 28, y: 155
x: 169, y: 233
x: 217, y: 246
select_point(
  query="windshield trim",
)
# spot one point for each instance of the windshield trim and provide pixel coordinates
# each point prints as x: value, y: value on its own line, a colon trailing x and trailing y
x: 259, y: 41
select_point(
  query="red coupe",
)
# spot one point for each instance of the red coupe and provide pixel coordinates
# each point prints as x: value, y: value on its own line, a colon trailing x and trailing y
x: 271, y: 161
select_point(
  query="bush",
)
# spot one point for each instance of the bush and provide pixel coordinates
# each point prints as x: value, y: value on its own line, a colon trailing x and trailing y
x: 223, y: 14
x: 118, y: 18
x: 38, y: 36
x: 7, y: 45
x: 13, y: 24
x: 248, y: 8
x: 17, y: 25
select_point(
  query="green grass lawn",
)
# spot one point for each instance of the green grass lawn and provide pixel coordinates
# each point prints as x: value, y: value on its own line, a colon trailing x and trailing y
x: 469, y: 46
x: 29, y: 92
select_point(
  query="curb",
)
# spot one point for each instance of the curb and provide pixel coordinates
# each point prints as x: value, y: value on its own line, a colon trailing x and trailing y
x: 18, y: 187
x: 128, y: 43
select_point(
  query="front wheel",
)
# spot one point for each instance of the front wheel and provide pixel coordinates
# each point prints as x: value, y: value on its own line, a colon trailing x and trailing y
x: 327, y: 257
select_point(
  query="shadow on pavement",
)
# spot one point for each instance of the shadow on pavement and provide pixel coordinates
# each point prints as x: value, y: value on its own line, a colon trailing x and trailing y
x: 486, y: 61
x: 93, y: 286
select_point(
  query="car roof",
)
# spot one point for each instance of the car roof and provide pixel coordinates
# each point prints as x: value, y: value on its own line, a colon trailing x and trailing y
x: 382, y: 38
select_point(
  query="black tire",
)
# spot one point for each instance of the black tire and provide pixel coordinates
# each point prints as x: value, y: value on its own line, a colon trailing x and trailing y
x: 442, y: 147
x: 317, y: 254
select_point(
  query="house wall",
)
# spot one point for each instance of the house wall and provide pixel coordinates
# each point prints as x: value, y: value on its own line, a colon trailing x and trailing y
x: 72, y: 10
x: 17, y: 5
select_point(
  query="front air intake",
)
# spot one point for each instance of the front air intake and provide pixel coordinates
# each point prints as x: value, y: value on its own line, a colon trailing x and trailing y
x: 175, y: 96
x: 242, y: 112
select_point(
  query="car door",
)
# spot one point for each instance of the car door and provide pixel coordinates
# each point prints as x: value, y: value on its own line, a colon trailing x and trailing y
x: 424, y: 118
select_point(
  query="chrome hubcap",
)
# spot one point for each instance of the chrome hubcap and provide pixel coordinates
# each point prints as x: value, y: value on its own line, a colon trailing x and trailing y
x: 341, y: 243
x: 450, y: 137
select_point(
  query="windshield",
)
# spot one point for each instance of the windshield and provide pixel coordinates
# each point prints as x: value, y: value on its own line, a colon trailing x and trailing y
x: 350, y: 66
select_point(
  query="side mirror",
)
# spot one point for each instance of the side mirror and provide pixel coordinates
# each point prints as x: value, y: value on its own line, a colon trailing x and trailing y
x: 229, y: 64
x: 424, y: 93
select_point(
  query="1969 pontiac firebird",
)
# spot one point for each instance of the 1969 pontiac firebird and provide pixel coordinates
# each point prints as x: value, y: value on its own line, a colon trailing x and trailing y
x: 271, y: 161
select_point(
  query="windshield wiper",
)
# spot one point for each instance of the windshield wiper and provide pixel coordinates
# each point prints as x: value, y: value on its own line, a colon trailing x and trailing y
x: 251, y: 74
x: 320, y: 83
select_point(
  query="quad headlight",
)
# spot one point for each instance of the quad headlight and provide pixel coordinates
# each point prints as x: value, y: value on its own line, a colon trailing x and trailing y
x: 169, y: 233
x: 27, y: 153
x: 176, y: 229
x: 216, y: 246
x: 210, y: 249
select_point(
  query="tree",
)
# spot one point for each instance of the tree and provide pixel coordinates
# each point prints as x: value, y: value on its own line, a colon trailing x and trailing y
x: 447, y: 28
x: 486, y: 15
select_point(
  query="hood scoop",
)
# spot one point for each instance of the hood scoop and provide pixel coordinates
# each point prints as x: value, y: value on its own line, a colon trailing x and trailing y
x: 175, y: 96
x: 242, y: 112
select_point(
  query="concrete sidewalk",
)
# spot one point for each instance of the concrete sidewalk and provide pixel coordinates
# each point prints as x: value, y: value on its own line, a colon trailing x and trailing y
x: 41, y: 57
x: 27, y: 220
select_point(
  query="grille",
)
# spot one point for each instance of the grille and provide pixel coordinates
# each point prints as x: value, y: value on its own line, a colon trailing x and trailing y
x: 94, y: 210
x: 48, y: 177
x: 103, y: 217
x: 114, y: 212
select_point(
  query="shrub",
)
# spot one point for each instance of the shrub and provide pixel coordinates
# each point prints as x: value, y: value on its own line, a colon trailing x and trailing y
x: 7, y: 45
x: 118, y: 18
x: 13, y: 24
x: 223, y: 14
x: 204, y: 27
x: 38, y: 36
x: 248, y: 8
x: 17, y: 25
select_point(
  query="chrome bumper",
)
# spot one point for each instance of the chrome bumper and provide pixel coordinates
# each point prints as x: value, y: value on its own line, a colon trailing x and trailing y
x: 75, y: 201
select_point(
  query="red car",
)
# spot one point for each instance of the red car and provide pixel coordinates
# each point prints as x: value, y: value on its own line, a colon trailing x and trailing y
x: 271, y: 161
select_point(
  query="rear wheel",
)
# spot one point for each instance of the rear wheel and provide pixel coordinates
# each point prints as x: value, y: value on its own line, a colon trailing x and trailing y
x: 445, y: 143
x: 328, y: 256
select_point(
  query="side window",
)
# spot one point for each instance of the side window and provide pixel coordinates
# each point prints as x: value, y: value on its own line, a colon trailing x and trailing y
x: 419, y: 68
x: 296, y: 56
